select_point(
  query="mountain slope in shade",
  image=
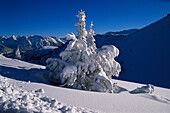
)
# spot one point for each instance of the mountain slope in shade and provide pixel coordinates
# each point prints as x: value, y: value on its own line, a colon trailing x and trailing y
x: 124, y: 32
x: 145, y: 54
x: 5, y: 50
x: 113, y: 38
x: 109, y: 40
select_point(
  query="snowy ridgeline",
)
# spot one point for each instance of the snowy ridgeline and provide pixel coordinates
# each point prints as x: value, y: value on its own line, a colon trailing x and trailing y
x: 14, y: 99
x: 82, y: 65
x: 115, y: 38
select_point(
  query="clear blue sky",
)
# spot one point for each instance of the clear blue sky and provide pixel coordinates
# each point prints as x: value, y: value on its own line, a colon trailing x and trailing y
x: 57, y: 17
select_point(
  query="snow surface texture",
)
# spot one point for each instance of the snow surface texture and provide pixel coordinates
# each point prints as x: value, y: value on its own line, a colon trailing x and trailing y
x: 82, y: 65
x: 138, y: 102
x: 16, y: 100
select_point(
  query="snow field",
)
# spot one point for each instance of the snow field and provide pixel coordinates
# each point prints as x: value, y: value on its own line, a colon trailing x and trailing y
x: 121, y: 102
x: 16, y: 100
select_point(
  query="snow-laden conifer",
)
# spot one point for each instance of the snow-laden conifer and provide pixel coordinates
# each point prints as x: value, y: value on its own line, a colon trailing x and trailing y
x: 82, y: 65
x: 17, y: 53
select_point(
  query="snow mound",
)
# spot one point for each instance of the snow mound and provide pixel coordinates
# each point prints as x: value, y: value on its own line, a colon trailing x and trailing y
x: 15, y: 100
x: 40, y: 90
x: 149, y: 88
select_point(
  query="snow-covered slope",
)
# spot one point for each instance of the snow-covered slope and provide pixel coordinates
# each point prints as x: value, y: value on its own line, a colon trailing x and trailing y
x: 23, y: 80
x: 145, y: 54
x: 14, y: 99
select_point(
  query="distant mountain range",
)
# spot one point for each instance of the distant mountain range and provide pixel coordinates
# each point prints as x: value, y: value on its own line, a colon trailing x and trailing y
x: 8, y: 45
x: 31, y: 44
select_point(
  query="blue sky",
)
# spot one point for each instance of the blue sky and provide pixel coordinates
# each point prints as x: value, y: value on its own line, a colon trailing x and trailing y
x: 57, y: 17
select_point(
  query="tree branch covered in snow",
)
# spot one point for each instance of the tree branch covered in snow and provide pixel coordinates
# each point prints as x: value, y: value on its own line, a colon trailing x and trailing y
x: 82, y: 65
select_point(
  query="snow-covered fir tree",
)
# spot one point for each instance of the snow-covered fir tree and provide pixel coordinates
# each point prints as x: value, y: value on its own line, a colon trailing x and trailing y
x: 17, y: 53
x: 82, y: 65
x: 90, y: 39
x: 81, y: 32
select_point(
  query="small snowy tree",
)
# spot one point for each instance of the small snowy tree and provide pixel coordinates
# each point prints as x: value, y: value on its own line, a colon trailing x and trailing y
x: 17, y: 53
x: 82, y: 65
